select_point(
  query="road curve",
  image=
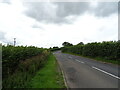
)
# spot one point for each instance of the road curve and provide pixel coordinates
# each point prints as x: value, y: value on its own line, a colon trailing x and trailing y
x: 82, y: 72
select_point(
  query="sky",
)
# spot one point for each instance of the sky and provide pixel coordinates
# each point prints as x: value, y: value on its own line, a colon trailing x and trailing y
x: 49, y: 24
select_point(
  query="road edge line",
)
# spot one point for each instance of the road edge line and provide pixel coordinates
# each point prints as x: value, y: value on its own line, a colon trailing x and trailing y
x: 106, y: 72
x: 64, y: 78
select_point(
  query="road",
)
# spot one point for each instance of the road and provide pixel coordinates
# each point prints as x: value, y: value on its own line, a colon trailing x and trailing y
x: 82, y: 72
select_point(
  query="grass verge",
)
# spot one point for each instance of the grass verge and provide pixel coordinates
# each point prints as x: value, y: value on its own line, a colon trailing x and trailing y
x: 49, y: 76
x: 116, y: 62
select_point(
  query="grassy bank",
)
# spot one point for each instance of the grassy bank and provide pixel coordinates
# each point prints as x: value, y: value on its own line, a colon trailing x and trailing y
x: 49, y: 76
x: 116, y: 62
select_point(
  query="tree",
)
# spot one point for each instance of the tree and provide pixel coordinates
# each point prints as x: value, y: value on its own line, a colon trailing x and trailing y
x: 55, y: 47
x: 81, y: 43
x: 67, y: 44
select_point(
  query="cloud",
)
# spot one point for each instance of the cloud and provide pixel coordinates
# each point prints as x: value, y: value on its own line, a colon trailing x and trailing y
x: 36, y: 26
x: 6, y: 1
x: 50, y: 24
x: 104, y: 9
x: 41, y: 11
x: 74, y: 8
x: 2, y: 36
x: 57, y: 12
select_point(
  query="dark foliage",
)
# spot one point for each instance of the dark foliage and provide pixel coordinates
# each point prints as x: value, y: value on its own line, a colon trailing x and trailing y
x: 106, y: 49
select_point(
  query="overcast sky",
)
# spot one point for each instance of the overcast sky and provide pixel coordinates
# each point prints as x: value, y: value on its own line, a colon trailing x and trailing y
x: 48, y: 24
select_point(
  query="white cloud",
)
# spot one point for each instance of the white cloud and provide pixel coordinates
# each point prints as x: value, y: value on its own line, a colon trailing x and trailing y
x: 28, y: 31
x: 94, y: 4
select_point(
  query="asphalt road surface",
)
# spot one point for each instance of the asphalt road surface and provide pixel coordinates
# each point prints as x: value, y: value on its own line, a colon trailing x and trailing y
x: 82, y: 72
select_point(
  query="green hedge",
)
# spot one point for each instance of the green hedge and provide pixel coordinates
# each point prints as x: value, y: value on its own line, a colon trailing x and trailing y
x: 106, y: 49
x: 20, y: 63
x: 11, y: 57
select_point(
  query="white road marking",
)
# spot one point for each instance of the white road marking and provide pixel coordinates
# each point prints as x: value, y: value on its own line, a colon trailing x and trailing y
x: 79, y: 61
x: 106, y: 72
x: 70, y: 57
x: 82, y: 62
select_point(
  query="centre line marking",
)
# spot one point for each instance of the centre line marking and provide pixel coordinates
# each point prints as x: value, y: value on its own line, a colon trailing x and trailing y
x: 106, y: 72
x: 82, y: 62
x: 70, y: 57
x: 79, y: 61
